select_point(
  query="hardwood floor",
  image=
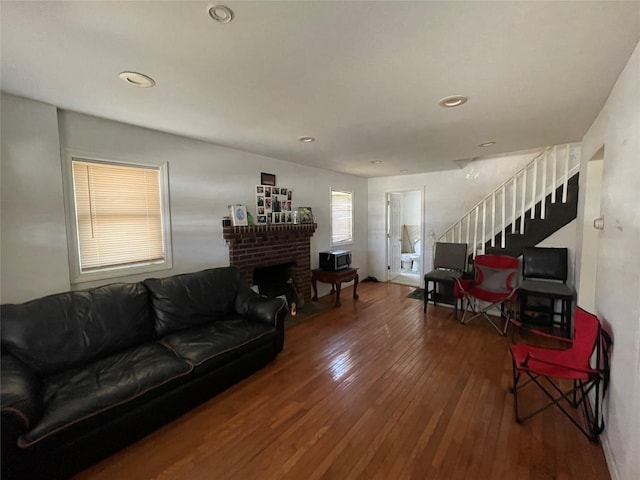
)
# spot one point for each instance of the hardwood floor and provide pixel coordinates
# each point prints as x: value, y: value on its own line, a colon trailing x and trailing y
x: 373, y: 390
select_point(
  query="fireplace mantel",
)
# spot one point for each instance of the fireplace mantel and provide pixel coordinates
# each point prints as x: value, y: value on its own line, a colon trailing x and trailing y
x: 234, y: 233
x: 272, y: 244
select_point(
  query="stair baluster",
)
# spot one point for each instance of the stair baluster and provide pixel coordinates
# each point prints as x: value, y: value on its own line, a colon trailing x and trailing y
x: 523, y: 191
x: 544, y: 185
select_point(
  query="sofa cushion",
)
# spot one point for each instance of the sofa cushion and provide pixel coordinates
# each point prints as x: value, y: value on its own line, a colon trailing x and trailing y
x: 79, y: 395
x: 211, y: 345
x: 66, y: 330
x: 191, y: 299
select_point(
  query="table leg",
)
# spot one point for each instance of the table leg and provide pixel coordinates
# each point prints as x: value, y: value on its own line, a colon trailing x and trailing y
x: 315, y: 289
x: 455, y: 308
x: 338, y: 286
x: 426, y: 295
x: 355, y: 286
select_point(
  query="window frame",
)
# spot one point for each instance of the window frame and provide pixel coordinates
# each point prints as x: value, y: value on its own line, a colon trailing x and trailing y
x: 350, y: 192
x: 106, y: 273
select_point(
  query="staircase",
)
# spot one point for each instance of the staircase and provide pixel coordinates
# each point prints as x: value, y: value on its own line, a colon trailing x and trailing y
x: 537, y: 201
x: 537, y: 229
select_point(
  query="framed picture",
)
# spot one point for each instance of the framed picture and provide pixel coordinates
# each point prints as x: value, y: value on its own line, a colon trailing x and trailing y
x: 238, y: 214
x: 274, y: 203
x: 267, y: 179
x: 305, y: 215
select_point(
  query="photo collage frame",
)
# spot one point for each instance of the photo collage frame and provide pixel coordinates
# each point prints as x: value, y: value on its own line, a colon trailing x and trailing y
x: 273, y: 204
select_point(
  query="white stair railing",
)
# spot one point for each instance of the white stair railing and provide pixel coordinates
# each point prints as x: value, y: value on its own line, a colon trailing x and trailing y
x: 515, y: 198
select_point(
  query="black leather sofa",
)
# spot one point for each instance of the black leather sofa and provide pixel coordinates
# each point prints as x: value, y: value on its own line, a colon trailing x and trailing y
x: 86, y: 373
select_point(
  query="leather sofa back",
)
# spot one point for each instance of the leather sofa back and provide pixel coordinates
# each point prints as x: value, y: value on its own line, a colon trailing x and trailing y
x: 64, y: 330
x: 191, y: 299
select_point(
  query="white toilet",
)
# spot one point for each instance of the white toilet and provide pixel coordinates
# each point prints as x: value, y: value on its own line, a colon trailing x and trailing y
x: 412, y: 260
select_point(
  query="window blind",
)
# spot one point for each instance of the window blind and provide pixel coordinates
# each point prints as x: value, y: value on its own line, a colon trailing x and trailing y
x: 118, y: 215
x: 341, y: 217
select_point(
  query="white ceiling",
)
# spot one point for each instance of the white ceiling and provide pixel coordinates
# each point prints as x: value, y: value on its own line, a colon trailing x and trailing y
x: 364, y: 78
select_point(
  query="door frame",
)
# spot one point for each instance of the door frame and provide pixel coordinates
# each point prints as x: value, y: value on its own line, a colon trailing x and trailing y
x: 387, y: 194
x: 588, y: 279
x: 391, y: 262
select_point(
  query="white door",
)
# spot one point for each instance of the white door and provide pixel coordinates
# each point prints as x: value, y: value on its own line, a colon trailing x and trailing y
x: 394, y: 234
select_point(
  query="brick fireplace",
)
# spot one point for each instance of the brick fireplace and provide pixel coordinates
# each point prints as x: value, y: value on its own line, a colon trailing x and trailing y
x: 269, y: 245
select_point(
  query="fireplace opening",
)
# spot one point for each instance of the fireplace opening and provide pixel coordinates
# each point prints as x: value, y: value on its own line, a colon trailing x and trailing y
x: 277, y: 280
x: 272, y: 244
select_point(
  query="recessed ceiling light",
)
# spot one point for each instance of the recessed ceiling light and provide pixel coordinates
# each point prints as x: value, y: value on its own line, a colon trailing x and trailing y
x: 221, y: 13
x: 137, y: 79
x: 375, y: 162
x: 487, y: 144
x: 306, y: 139
x: 453, y: 101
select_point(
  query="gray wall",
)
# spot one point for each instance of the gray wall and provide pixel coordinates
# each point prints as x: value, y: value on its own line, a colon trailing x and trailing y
x: 33, y: 236
x: 203, y: 180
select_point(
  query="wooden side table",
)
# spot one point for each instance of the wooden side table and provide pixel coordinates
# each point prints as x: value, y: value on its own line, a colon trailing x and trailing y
x: 335, y: 279
x: 552, y: 291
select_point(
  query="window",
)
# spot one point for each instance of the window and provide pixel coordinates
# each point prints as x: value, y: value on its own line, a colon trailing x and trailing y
x: 341, y: 217
x: 119, y: 218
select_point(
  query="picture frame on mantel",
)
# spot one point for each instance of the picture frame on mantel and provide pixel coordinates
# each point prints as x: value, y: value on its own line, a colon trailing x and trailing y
x: 274, y: 203
x: 305, y: 215
x: 267, y: 179
x: 238, y: 214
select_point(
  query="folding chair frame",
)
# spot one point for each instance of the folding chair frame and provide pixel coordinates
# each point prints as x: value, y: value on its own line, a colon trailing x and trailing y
x: 494, y: 298
x: 505, y: 314
x: 578, y: 396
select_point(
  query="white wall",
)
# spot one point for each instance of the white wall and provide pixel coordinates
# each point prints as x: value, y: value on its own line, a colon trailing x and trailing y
x: 33, y: 239
x: 617, y: 301
x: 447, y: 196
x: 565, y: 238
x: 411, y: 207
x: 203, y: 180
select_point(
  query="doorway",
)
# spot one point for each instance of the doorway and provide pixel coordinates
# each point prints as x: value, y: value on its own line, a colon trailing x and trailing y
x: 404, y: 234
x: 590, y: 236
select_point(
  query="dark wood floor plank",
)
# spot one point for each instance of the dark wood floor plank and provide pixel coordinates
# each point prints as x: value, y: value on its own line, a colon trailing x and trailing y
x: 373, y: 389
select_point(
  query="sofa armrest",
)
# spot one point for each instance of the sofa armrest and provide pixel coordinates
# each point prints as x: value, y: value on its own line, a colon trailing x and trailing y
x: 20, y: 394
x: 257, y: 308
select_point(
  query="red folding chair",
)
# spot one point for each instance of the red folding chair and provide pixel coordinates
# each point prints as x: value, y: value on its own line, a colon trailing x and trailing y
x: 495, y: 284
x: 552, y: 370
